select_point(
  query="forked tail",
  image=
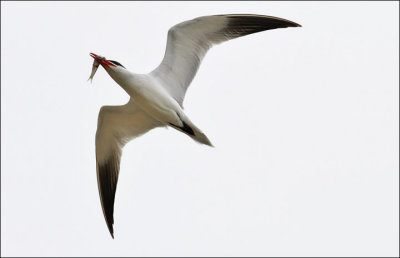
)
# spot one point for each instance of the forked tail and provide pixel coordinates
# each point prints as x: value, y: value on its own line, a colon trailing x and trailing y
x: 195, y: 133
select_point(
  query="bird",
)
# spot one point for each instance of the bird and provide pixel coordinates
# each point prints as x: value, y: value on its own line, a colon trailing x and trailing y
x: 156, y: 98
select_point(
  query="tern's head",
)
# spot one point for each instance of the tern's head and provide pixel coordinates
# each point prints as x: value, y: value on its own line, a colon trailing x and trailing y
x: 107, y: 63
x: 116, y: 70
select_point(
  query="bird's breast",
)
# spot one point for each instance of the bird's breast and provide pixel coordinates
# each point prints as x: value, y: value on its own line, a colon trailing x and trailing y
x: 155, y: 101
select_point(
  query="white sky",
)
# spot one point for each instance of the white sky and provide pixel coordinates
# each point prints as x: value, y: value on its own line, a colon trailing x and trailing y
x: 305, y: 122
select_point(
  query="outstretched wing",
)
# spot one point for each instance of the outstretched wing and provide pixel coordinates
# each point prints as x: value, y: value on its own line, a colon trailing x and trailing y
x: 116, y: 126
x: 189, y: 41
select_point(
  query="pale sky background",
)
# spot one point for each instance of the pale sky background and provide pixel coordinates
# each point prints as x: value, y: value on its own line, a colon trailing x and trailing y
x: 305, y: 123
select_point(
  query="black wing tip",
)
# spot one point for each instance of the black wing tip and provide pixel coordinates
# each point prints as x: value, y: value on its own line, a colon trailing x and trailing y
x: 289, y: 24
x: 282, y: 23
x: 107, y: 181
x: 109, y: 216
x: 110, y: 228
x: 294, y: 24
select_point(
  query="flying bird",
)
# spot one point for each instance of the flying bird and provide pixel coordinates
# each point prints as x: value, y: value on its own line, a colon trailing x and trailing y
x: 156, y: 98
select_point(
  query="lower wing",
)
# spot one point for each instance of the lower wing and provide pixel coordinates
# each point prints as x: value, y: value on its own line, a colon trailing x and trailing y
x: 116, y: 126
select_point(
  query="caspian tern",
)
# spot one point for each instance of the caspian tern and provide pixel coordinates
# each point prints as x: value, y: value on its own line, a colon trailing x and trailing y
x: 156, y: 98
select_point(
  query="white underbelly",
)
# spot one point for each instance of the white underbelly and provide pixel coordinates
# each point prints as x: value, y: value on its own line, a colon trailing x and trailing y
x: 158, y: 104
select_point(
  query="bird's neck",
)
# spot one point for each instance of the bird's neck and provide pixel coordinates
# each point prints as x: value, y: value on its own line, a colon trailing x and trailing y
x: 124, y: 79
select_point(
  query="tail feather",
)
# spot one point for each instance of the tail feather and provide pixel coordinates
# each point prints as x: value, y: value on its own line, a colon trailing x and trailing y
x: 195, y: 133
x: 202, y: 138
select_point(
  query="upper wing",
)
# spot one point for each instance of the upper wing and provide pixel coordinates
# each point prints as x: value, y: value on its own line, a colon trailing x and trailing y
x: 116, y: 126
x: 189, y: 41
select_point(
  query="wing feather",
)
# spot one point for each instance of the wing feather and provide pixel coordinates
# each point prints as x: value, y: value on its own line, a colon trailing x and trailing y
x: 116, y: 126
x: 189, y: 41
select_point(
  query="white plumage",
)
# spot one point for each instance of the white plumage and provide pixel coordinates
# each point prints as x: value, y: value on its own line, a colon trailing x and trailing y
x: 157, y: 97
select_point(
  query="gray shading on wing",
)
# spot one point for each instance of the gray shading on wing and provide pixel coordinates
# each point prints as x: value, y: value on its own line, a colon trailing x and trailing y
x: 116, y: 126
x: 189, y: 41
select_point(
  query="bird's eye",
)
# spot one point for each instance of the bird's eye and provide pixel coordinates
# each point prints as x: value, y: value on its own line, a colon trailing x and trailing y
x: 116, y: 63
